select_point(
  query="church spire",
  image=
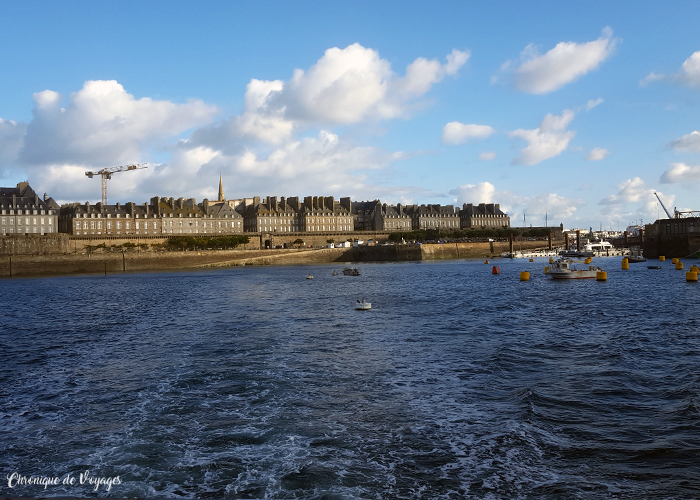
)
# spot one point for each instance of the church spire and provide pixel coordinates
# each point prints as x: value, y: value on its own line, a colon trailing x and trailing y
x: 221, y: 189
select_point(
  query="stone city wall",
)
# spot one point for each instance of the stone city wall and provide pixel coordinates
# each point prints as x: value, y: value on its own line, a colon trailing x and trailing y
x: 34, y: 244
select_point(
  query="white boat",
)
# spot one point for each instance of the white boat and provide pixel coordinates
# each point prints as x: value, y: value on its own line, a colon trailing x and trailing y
x: 598, y: 246
x: 363, y: 306
x: 562, y: 269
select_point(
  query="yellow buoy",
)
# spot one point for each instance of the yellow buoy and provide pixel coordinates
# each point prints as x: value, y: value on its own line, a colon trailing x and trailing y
x: 532, y: 260
x: 588, y: 260
x: 674, y: 260
x: 524, y: 276
x: 679, y: 266
x: 691, y: 276
x: 601, y: 276
x: 625, y: 264
x: 662, y: 258
x: 695, y: 269
x: 546, y: 269
x: 551, y: 260
x: 486, y: 262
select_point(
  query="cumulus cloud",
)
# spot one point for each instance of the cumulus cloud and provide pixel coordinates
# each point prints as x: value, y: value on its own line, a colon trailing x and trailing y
x: 535, y: 207
x: 487, y: 156
x: 689, y: 74
x: 635, y: 191
x: 475, y: 193
x: 11, y: 140
x: 689, y: 142
x: 263, y: 148
x: 548, y: 140
x: 351, y: 85
x: 345, y: 86
x: 457, y: 133
x: 597, y: 154
x: 680, y: 172
x: 565, y: 63
x: 103, y: 125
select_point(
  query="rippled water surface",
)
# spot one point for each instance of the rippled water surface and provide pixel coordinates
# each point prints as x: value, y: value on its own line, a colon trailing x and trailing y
x: 259, y: 383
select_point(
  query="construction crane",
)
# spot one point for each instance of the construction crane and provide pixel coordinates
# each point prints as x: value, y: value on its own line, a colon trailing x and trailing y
x: 106, y: 174
x: 663, y: 206
x: 677, y: 214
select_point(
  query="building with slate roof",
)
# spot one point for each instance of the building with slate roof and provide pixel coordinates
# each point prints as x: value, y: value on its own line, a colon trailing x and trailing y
x: 436, y: 217
x: 483, y: 216
x: 315, y: 214
x: 22, y: 211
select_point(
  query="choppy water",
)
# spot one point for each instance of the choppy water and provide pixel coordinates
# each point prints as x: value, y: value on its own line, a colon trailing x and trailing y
x: 258, y: 383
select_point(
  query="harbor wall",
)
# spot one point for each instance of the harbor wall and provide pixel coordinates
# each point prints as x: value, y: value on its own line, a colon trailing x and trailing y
x: 34, y: 244
x: 132, y: 261
x: 672, y: 238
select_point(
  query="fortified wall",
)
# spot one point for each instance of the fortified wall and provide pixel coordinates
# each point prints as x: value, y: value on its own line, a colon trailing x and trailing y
x: 34, y: 244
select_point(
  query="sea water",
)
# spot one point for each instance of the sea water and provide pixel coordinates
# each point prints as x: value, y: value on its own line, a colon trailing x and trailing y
x: 256, y: 382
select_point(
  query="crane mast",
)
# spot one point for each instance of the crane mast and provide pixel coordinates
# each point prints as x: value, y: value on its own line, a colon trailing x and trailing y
x: 663, y: 206
x: 106, y: 174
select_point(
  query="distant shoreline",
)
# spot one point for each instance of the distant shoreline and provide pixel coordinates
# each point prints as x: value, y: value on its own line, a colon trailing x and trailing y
x: 131, y: 261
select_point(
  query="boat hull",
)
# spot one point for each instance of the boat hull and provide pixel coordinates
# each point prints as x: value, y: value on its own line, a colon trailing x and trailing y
x: 574, y: 275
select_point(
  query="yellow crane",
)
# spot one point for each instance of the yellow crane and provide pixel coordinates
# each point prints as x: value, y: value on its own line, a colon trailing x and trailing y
x: 106, y: 174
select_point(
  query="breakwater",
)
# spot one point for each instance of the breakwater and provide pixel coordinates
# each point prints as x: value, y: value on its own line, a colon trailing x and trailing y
x: 133, y: 261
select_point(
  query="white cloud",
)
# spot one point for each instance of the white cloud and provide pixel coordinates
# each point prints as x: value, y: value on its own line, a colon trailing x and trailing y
x: 689, y: 74
x: 635, y: 191
x: 689, y: 142
x: 11, y: 140
x: 565, y: 63
x: 457, y: 133
x: 487, y: 156
x: 345, y: 86
x: 597, y: 154
x: 550, y: 139
x: 535, y: 207
x: 354, y: 84
x: 475, y: 193
x: 680, y: 172
x: 103, y: 125
x: 593, y: 103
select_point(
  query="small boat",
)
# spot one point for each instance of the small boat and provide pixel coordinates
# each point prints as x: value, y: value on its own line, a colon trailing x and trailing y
x: 310, y: 277
x: 653, y: 267
x: 351, y: 271
x: 334, y: 273
x: 562, y: 269
x: 635, y: 257
x: 363, y: 306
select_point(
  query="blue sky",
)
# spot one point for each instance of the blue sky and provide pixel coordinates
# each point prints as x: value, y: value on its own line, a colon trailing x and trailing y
x: 578, y: 110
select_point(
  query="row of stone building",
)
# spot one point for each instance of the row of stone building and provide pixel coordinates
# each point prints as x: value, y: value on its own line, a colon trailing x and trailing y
x: 169, y: 216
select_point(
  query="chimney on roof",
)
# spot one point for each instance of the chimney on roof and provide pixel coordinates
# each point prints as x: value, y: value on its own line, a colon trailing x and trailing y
x: 45, y: 197
x: 117, y: 205
x: 87, y: 206
x: 98, y: 206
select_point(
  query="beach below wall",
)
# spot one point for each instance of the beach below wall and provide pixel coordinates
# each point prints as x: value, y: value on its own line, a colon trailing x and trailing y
x: 131, y: 261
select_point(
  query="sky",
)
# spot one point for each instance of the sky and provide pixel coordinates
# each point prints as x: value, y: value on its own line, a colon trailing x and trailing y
x: 562, y: 112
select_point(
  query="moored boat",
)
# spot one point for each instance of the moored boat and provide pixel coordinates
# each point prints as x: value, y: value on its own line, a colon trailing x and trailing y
x: 351, y: 271
x: 562, y: 269
x: 363, y: 306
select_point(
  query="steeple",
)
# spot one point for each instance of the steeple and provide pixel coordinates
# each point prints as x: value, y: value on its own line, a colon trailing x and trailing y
x: 221, y: 190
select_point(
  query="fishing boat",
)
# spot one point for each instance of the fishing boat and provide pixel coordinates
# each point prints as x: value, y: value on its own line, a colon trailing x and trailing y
x: 351, y: 271
x: 363, y: 305
x: 563, y: 269
x: 635, y: 257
